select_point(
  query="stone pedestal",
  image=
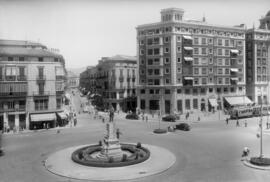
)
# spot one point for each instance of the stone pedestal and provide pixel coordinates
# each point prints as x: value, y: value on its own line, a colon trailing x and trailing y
x: 111, y: 146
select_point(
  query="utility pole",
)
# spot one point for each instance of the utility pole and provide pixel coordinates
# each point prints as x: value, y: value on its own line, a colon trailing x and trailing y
x: 261, y: 144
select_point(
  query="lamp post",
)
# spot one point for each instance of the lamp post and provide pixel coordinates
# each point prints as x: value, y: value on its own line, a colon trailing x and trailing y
x: 261, y: 144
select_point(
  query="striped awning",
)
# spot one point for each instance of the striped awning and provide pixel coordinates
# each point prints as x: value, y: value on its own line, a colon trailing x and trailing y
x: 239, y: 100
x: 62, y: 115
x: 234, y: 69
x: 43, y: 117
x: 188, y: 48
x: 234, y: 51
x: 234, y: 79
x: 189, y: 78
x: 213, y: 102
x: 188, y: 58
x: 187, y: 37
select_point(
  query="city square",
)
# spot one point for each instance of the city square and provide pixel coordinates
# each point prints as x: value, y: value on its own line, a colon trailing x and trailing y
x: 126, y: 90
x: 211, y: 151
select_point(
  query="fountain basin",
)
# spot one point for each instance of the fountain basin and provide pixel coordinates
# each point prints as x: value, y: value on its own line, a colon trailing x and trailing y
x: 90, y: 156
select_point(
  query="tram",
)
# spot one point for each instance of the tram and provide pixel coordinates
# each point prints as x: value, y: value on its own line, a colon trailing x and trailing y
x: 249, y: 111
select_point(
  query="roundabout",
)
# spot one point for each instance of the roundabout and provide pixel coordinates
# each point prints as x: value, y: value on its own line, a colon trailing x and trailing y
x: 60, y: 163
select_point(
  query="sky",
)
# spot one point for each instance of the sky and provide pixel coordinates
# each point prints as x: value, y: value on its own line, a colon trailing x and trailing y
x: 86, y: 30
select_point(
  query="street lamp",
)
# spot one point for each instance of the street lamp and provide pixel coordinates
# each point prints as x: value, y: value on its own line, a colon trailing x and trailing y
x: 261, y: 144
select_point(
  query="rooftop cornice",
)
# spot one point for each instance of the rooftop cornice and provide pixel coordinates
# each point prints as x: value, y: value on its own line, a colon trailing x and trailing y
x: 188, y: 23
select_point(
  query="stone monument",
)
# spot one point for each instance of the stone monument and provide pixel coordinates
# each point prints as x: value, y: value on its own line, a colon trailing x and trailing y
x: 111, y: 147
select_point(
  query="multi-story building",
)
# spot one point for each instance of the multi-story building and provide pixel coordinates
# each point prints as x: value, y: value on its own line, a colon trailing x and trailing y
x: 114, y: 79
x: 188, y: 65
x: 257, y: 61
x: 87, y: 81
x: 72, y: 80
x: 32, y: 83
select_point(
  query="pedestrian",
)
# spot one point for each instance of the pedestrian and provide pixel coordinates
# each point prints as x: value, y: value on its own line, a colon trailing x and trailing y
x: 267, y: 125
x: 245, y: 123
x: 118, y: 133
x: 47, y: 126
x: 227, y: 121
x: 103, y: 120
x: 245, y: 153
x: 44, y: 125
x: 142, y: 117
x: 199, y: 119
x: 146, y: 118
x: 75, y: 120
x: 237, y: 123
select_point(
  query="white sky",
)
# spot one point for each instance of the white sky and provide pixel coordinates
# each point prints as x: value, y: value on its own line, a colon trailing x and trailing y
x: 85, y: 31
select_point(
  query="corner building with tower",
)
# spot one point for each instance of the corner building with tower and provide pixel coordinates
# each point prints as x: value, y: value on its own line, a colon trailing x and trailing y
x: 186, y: 65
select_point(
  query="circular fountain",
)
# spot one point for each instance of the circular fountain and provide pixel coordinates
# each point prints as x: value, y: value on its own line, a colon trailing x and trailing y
x: 110, y: 153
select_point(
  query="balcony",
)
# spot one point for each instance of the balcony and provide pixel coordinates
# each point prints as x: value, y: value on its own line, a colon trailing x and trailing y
x: 60, y: 92
x: 41, y: 79
x: 10, y: 78
x: 41, y: 93
x: 60, y: 77
x: 21, y: 78
x: 13, y: 94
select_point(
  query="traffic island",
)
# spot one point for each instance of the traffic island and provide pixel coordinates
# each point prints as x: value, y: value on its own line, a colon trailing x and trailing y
x: 261, y: 163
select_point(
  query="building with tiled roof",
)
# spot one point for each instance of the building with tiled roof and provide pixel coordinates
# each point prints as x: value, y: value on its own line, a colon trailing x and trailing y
x: 32, y: 83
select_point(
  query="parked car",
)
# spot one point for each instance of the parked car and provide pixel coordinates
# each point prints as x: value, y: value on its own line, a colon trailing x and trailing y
x: 132, y: 116
x: 183, y: 126
x: 169, y: 118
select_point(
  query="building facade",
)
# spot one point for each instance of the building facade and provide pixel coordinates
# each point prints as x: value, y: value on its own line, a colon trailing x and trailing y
x: 114, y: 79
x: 32, y: 83
x: 257, y: 61
x: 72, y: 80
x: 188, y: 65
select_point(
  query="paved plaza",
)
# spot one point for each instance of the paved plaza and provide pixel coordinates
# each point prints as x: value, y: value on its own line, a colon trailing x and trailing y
x: 211, y: 151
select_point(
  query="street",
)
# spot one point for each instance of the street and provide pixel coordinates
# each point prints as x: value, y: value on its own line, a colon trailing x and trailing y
x: 211, y: 151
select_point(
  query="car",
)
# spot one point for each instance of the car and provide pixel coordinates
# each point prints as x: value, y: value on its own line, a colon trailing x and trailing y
x: 183, y: 126
x: 132, y: 116
x: 169, y: 118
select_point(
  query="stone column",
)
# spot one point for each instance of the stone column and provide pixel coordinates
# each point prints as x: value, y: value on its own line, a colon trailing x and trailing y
x: 17, y: 122
x: 27, y: 120
x: 5, y: 116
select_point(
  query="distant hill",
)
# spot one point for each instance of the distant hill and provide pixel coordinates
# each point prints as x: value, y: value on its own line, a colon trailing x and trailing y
x: 76, y: 71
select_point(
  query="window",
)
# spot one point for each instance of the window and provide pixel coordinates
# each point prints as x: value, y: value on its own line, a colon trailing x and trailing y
x: 204, y: 71
x: 227, y: 80
x: 220, y: 42
x: 196, y: 50
x: 142, y: 61
x: 196, y: 71
x: 178, y: 70
x: 178, y: 38
x: 166, y: 39
x: 187, y: 104
x: 196, y: 61
x: 167, y: 91
x: 196, y: 40
x: 210, y: 90
x: 142, y: 104
x: 227, y: 71
x: 167, y: 70
x: 167, y: 50
x: 219, y: 80
x: 227, y: 62
x: 210, y: 60
x: 21, y: 58
x: 196, y: 81
x: 141, y: 42
x: 195, y: 103
x: 150, y: 61
x: 226, y: 43
x: 187, y: 91
x: 167, y: 60
x: 210, y: 51
x: 141, y: 51
x: 151, y: 91
x: 203, y: 41
x: 58, y: 103
x: 10, y: 58
x: 179, y: 60
x: 220, y: 71
x: 210, y: 70
x: 167, y: 80
x: 210, y: 41
x: 179, y: 91
x: 142, y: 91
x: 220, y: 62
x: 204, y: 80
x: 220, y: 52
x: 40, y: 59
x: 156, y: 71
x: 179, y: 49
x: 179, y: 80
x: 195, y: 91
x: 240, y: 61
x: 227, y: 52
x: 41, y: 104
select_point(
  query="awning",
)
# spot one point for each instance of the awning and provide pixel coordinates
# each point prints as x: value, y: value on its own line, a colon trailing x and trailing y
x: 43, y: 117
x: 234, y: 51
x: 240, y: 100
x: 62, y: 115
x: 187, y: 37
x: 188, y: 58
x: 234, y: 79
x: 188, y: 78
x: 188, y: 48
x: 213, y: 102
x: 234, y: 69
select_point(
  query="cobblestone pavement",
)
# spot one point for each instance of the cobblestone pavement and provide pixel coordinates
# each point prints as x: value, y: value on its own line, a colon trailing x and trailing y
x: 211, y: 151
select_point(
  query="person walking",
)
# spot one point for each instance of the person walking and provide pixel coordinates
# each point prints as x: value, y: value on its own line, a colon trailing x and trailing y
x: 146, y: 118
x: 237, y: 123
x: 245, y: 123
x: 118, y: 133
x: 227, y: 121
